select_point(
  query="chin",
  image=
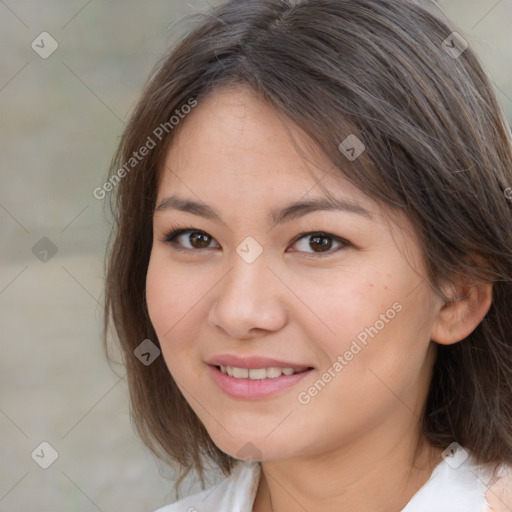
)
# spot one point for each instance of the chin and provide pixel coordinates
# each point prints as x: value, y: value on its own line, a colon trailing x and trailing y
x: 251, y: 449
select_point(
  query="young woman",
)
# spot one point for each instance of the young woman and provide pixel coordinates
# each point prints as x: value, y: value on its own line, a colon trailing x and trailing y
x: 311, y: 269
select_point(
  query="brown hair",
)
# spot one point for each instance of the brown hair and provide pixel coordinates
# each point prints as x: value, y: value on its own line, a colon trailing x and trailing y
x: 437, y: 148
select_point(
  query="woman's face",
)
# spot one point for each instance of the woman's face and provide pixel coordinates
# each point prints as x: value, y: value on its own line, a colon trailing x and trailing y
x: 350, y: 303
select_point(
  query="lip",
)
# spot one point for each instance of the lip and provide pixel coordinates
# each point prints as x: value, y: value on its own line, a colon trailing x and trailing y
x: 252, y: 362
x: 258, y: 388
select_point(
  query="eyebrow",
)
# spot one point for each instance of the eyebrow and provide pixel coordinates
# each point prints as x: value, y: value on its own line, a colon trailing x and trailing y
x: 277, y: 216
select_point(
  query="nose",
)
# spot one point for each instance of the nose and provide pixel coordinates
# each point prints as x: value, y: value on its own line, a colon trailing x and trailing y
x: 249, y: 301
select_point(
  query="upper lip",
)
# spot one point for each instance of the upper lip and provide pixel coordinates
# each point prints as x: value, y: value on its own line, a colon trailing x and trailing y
x: 252, y: 362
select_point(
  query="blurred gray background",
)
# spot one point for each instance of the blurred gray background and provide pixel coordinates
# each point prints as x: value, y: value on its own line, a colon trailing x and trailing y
x: 60, y: 121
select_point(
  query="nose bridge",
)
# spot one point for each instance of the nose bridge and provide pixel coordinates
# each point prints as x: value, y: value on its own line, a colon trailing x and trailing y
x: 248, y: 269
x: 247, y: 297
x: 248, y: 282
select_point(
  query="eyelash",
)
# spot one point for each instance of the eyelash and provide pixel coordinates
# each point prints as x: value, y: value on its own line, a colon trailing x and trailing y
x: 176, y: 231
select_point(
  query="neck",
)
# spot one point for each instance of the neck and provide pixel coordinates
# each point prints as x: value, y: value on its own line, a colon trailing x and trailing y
x: 360, y: 478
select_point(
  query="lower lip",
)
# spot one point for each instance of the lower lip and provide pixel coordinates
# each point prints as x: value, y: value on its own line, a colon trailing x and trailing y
x: 254, y: 388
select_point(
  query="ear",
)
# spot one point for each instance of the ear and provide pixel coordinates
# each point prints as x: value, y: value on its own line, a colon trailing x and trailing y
x: 469, y: 303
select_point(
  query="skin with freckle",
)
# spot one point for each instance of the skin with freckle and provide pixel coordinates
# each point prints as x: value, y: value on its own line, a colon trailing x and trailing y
x: 291, y: 303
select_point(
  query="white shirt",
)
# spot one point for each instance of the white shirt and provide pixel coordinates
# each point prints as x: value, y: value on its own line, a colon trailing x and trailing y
x: 453, y: 486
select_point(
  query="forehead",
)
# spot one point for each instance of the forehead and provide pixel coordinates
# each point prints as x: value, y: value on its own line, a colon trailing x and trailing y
x: 237, y: 143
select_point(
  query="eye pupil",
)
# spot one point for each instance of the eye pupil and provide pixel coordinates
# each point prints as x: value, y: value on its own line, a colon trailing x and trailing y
x: 202, y: 239
x: 324, y: 246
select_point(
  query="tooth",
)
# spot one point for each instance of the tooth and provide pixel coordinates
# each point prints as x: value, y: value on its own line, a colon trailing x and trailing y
x: 257, y: 373
x: 272, y: 373
x: 240, y: 373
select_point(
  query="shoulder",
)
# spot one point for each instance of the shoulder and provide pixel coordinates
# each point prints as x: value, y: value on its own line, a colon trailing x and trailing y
x: 499, y: 490
x: 235, y: 493
x: 460, y: 484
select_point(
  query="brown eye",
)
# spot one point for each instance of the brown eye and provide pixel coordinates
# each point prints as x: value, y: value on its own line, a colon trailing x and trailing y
x: 199, y: 240
x: 194, y: 240
x: 321, y: 242
x: 318, y: 243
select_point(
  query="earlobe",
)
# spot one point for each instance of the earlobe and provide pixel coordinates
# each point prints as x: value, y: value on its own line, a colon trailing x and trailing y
x: 460, y: 316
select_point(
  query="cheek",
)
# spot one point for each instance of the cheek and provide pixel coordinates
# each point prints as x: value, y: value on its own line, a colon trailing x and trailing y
x: 160, y: 296
x: 346, y: 306
x: 374, y: 318
x: 169, y: 299
x: 171, y: 292
x: 173, y: 302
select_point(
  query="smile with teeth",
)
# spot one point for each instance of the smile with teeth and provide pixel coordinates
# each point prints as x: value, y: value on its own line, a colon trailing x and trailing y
x: 257, y: 373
